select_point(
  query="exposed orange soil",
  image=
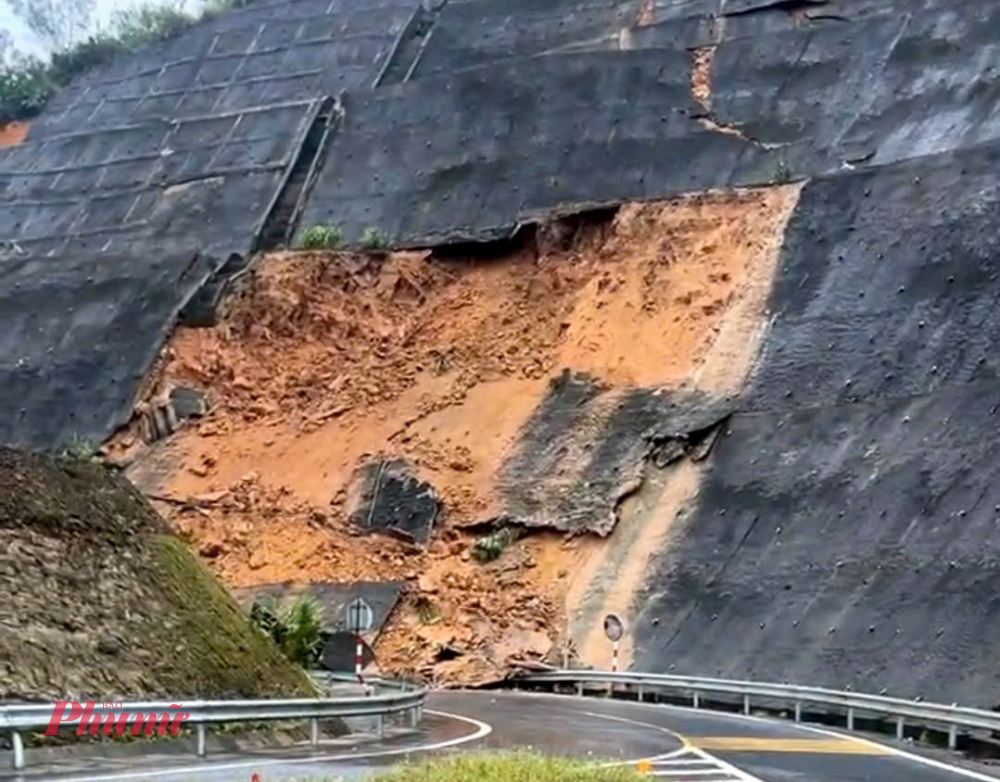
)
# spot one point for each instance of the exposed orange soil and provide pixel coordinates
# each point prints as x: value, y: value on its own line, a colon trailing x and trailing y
x: 13, y: 133
x: 323, y: 360
x: 701, y: 75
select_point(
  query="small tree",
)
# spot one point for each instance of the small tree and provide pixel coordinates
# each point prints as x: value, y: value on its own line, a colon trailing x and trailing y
x: 297, y: 630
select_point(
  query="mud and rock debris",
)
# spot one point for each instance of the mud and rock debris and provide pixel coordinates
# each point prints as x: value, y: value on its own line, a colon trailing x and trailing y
x: 13, y: 133
x: 322, y: 362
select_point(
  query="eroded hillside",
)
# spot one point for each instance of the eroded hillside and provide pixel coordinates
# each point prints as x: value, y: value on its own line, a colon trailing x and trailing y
x: 537, y: 389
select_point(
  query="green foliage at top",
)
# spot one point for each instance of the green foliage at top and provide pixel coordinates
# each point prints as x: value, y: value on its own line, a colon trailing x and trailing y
x: 297, y: 628
x: 323, y: 237
x: 27, y: 82
x: 374, y: 239
x: 507, y: 767
x: 149, y: 22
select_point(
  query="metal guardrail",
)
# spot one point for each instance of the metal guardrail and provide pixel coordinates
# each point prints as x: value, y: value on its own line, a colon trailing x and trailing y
x: 18, y: 718
x: 934, y: 715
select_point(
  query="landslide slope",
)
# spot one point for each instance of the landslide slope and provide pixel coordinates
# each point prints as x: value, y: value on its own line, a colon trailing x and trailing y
x: 100, y: 601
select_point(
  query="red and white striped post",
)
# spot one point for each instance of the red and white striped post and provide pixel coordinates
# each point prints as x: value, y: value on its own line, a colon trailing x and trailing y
x: 614, y: 657
x: 359, y: 657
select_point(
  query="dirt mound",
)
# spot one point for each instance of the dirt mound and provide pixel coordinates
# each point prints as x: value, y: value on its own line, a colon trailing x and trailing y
x: 101, y: 602
x: 326, y: 361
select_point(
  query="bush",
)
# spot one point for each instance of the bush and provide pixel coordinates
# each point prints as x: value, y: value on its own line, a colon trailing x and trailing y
x: 374, y: 239
x: 507, y: 767
x: 25, y: 87
x: 71, y: 62
x: 491, y: 546
x: 323, y: 237
x: 297, y: 630
x: 147, y: 23
x: 79, y: 449
x: 27, y: 83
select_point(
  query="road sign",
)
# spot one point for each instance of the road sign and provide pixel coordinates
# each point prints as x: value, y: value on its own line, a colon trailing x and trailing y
x: 359, y: 616
x: 613, y: 627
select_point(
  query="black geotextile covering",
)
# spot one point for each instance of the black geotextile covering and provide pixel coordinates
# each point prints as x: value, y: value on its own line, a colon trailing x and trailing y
x: 846, y: 534
x: 468, y: 154
x: 138, y: 182
x: 523, y: 136
x: 585, y: 447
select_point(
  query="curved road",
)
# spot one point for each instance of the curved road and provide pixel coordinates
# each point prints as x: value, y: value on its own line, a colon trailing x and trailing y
x: 679, y: 744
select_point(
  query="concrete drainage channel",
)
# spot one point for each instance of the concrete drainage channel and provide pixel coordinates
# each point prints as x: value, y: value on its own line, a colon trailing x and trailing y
x: 164, y: 716
x: 971, y: 730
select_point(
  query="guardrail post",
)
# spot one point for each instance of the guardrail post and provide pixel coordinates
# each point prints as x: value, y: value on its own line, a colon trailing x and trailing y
x: 640, y: 692
x: 18, y: 745
x: 314, y: 731
x: 850, y: 718
x: 414, y: 715
x: 695, y: 700
x: 952, y: 736
x: 798, y: 711
x: 579, y: 689
x: 201, y: 739
x: 746, y: 704
x: 380, y: 722
x: 900, y: 722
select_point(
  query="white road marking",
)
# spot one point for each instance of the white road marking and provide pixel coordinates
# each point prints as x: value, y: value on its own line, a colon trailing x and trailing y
x: 965, y: 772
x: 483, y: 729
x: 968, y: 773
x: 720, y: 768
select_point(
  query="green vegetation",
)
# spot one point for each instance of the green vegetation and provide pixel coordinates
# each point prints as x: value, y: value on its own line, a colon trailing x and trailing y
x: 79, y: 448
x: 427, y: 612
x: 27, y: 82
x: 220, y: 651
x: 491, y: 546
x: 374, y: 239
x: 322, y: 237
x: 297, y: 629
x: 94, y: 554
x: 507, y: 767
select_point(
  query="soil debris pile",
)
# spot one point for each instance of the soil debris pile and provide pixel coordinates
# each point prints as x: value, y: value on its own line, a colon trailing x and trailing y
x: 325, y: 365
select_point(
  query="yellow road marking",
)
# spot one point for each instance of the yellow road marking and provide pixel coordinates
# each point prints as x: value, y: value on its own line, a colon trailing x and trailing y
x: 818, y: 746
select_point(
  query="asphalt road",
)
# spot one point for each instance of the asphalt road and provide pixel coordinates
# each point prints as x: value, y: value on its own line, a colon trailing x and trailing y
x: 679, y: 744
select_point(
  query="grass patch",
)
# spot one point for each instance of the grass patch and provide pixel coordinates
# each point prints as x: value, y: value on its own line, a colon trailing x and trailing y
x: 322, y: 237
x: 506, y: 767
x: 374, y: 239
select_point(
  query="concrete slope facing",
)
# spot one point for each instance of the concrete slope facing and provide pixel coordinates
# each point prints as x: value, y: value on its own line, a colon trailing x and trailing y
x: 846, y: 535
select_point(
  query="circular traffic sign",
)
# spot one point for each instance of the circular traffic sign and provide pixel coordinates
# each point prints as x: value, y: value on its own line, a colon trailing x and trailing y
x: 613, y: 627
x: 359, y: 616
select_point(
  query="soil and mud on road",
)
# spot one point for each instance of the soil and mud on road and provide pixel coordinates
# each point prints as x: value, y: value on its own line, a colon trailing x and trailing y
x: 322, y: 363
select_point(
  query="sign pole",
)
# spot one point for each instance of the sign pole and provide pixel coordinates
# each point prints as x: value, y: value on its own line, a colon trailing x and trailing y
x: 359, y: 619
x: 614, y: 657
x: 359, y: 656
